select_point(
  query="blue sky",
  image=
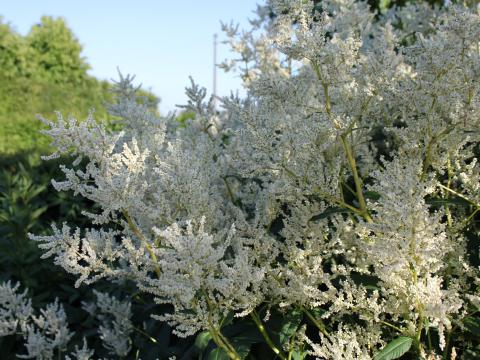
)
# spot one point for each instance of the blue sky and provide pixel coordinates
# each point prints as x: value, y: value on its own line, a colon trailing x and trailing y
x: 162, y: 42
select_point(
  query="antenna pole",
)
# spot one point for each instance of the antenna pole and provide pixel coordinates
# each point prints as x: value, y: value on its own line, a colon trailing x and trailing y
x: 215, y: 72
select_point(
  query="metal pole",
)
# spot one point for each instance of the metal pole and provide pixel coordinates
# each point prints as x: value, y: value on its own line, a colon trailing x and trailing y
x: 215, y: 72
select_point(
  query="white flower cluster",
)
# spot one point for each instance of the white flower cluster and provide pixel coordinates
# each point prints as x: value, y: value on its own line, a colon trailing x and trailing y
x: 116, y: 327
x: 81, y: 354
x: 47, y: 335
x: 15, y: 309
x: 44, y: 334
x: 353, y: 157
x: 347, y: 344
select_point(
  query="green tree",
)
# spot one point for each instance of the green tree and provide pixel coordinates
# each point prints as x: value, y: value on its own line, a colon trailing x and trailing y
x: 40, y: 73
x: 14, y: 53
x: 57, y: 51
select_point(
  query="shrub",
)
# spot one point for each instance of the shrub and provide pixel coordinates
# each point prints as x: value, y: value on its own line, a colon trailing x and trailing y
x: 40, y: 73
x: 330, y: 214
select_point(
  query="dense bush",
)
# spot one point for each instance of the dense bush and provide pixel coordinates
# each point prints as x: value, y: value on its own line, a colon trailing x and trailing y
x: 41, y: 73
x: 28, y: 204
x: 331, y: 214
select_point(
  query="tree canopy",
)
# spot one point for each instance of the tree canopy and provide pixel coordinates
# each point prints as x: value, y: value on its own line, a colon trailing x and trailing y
x: 42, y: 72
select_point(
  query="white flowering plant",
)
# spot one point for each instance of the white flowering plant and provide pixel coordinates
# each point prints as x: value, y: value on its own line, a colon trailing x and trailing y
x: 332, y: 213
x: 48, y: 334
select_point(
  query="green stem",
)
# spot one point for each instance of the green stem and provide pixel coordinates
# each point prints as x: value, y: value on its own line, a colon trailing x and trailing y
x: 337, y: 201
x: 232, y: 353
x: 229, y: 190
x: 418, y: 337
x: 265, y: 335
x: 223, y: 343
x: 349, y: 189
x: 449, y: 182
x: 346, y: 145
x: 460, y: 195
x: 318, y: 323
x: 467, y: 220
x: 447, y: 344
x: 392, y: 326
x: 327, y: 196
x: 290, y: 349
x: 328, y: 105
x: 356, y: 178
x: 152, y: 339
x: 429, y: 337
x: 134, y: 228
x: 427, y: 161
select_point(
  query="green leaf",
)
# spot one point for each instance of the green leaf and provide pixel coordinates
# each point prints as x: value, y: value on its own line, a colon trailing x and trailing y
x: 220, y: 354
x: 217, y: 354
x: 472, y: 324
x: 36, y: 191
x: 383, y: 5
x: 289, y: 325
x: 37, y: 212
x: 395, y: 348
x: 242, y: 332
x: 202, y: 340
x: 242, y: 336
x: 372, y: 195
x: 68, y: 288
x: 298, y: 355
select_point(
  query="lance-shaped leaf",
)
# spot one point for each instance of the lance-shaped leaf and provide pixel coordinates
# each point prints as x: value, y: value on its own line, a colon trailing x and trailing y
x: 395, y: 348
